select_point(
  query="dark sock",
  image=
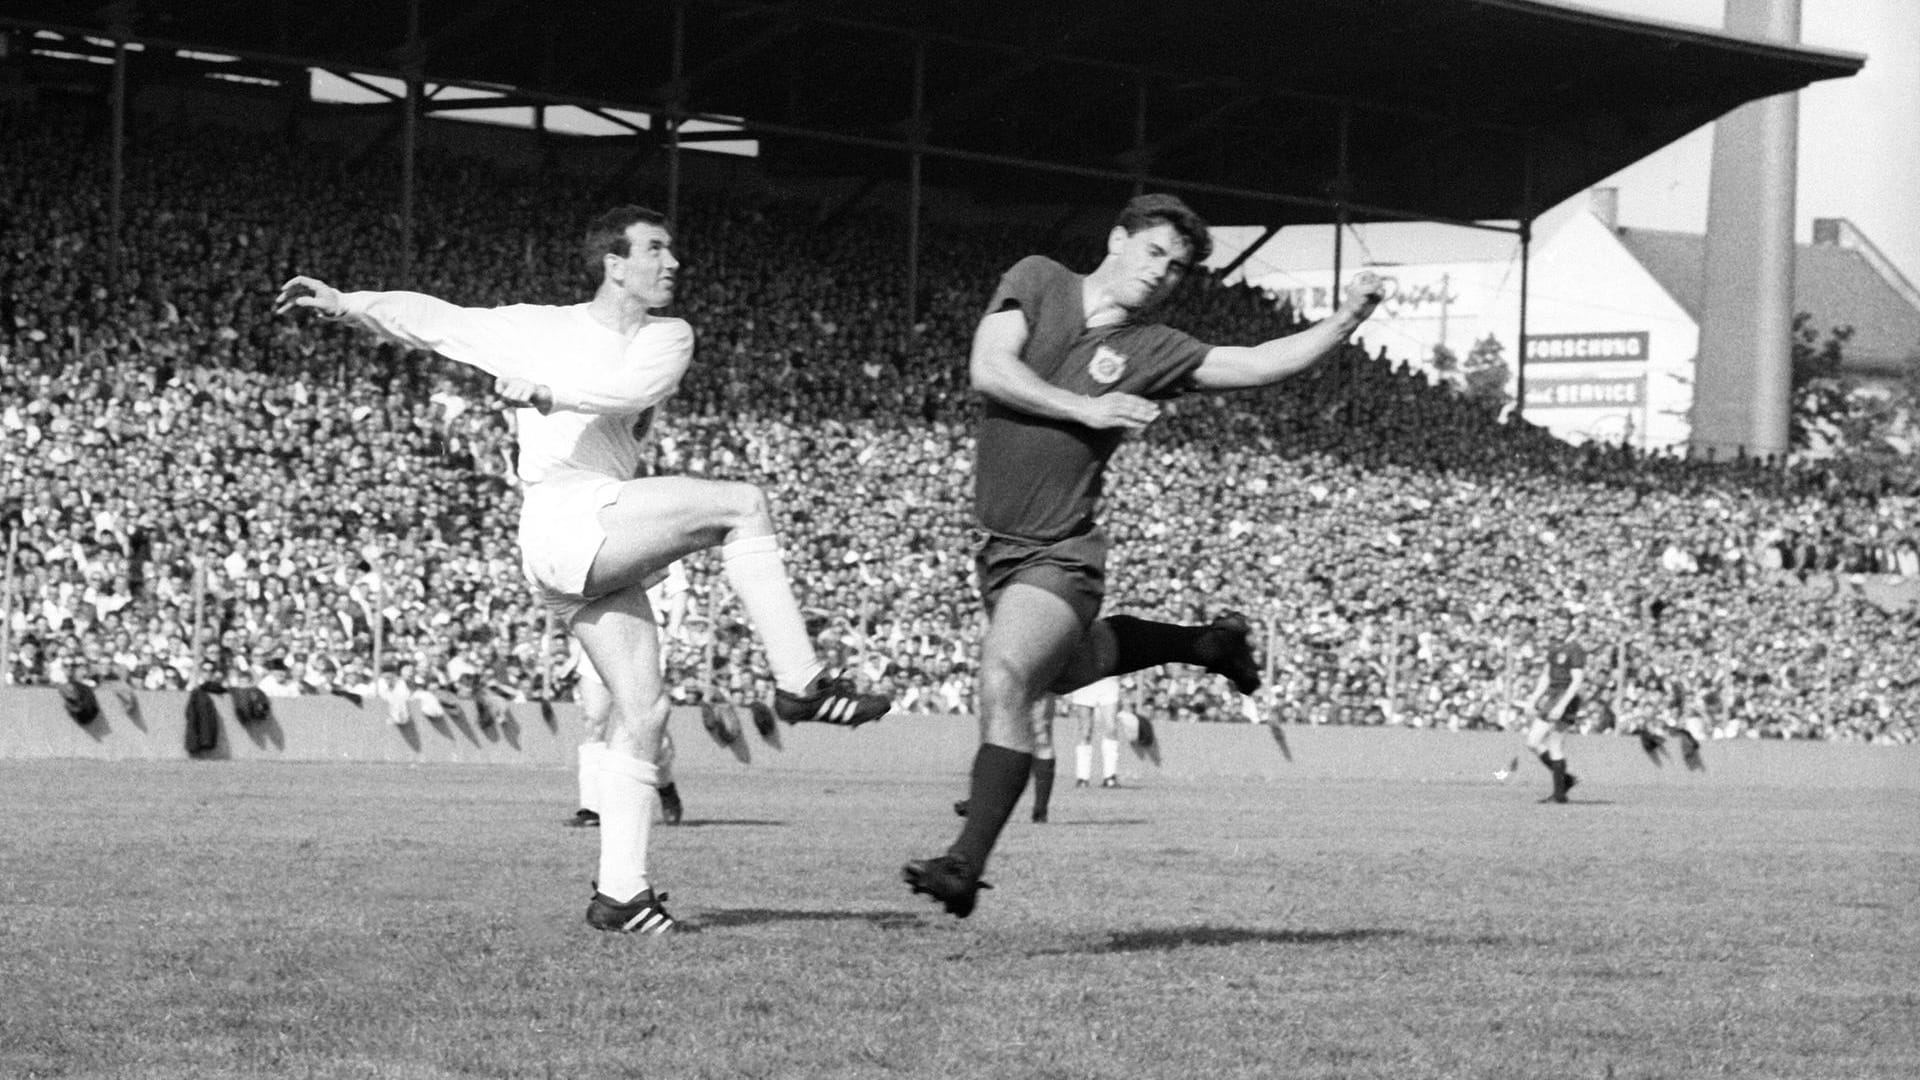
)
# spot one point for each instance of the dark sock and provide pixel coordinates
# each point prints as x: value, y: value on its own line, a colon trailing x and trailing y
x: 1139, y: 643
x: 999, y: 776
x: 1042, y: 785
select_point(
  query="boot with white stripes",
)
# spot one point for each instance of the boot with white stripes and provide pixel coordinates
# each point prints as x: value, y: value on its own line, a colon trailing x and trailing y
x: 830, y: 700
x: 640, y: 915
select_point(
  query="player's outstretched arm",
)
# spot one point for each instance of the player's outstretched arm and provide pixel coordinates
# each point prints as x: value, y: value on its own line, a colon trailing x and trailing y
x: 484, y: 338
x: 997, y: 371
x: 1238, y: 367
x: 311, y: 294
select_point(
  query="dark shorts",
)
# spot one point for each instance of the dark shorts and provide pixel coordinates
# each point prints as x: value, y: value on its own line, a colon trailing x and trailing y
x: 1568, y: 715
x: 1074, y: 569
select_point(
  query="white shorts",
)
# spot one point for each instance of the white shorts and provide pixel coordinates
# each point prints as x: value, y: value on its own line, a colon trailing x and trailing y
x: 560, y: 534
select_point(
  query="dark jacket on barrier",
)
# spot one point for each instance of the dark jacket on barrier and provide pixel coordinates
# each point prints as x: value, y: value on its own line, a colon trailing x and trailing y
x: 203, y: 722
x: 81, y: 702
x: 250, y: 705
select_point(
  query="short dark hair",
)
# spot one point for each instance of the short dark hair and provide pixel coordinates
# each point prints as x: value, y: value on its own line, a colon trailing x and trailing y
x: 607, y: 233
x: 1147, y: 211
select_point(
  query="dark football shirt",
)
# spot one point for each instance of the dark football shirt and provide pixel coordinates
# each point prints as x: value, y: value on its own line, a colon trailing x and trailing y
x: 1561, y: 664
x: 1038, y: 478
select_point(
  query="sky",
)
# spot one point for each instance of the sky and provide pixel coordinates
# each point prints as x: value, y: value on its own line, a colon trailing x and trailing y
x: 1859, y: 150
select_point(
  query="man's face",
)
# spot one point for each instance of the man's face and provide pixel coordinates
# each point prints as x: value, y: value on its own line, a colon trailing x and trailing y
x: 1152, y: 263
x: 647, y: 272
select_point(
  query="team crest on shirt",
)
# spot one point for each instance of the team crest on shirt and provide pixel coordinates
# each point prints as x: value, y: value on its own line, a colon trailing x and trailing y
x: 1107, y: 366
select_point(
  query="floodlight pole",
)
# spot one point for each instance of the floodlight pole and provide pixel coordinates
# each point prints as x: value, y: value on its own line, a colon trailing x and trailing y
x: 676, y: 107
x: 1140, y: 133
x: 1342, y: 181
x: 116, y: 200
x: 409, y: 141
x: 1526, y: 260
x: 916, y: 139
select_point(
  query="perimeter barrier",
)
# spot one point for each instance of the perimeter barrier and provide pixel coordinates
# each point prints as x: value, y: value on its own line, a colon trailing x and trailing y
x: 153, y: 726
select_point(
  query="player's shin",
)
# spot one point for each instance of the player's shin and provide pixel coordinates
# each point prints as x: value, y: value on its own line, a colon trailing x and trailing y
x: 629, y: 800
x: 999, y: 777
x: 758, y: 574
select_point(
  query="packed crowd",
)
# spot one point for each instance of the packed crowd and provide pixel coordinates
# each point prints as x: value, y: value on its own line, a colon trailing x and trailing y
x: 195, y: 490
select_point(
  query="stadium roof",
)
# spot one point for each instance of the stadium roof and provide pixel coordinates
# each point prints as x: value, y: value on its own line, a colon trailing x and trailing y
x: 1448, y: 110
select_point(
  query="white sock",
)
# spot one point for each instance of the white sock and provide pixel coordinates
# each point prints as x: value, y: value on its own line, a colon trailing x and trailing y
x: 758, y: 574
x: 1083, y: 762
x: 629, y: 799
x: 1109, y: 757
x: 590, y: 774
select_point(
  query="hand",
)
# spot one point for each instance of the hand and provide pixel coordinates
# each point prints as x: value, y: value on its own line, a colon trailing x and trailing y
x: 306, y: 292
x: 524, y: 394
x: 1118, y: 411
x: 1363, y: 293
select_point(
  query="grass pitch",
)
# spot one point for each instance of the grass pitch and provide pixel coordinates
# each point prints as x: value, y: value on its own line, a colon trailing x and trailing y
x: 165, y: 921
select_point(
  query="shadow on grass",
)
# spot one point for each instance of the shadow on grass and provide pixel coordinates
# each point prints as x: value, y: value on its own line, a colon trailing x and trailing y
x: 1099, y: 822
x: 266, y: 733
x: 1133, y: 941
x: 713, y: 823
x: 726, y: 920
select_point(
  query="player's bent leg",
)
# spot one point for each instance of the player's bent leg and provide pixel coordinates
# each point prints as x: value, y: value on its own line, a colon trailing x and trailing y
x: 1121, y: 643
x: 658, y: 519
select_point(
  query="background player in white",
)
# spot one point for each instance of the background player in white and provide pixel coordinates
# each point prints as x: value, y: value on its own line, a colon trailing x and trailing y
x: 1096, y: 707
x: 592, y: 537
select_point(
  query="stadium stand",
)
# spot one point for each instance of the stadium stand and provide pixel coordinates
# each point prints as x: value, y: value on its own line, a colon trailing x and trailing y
x: 176, y: 460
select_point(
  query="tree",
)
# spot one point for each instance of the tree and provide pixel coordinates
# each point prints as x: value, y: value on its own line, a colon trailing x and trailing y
x: 1834, y: 414
x: 1487, y: 374
x: 1820, y: 410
